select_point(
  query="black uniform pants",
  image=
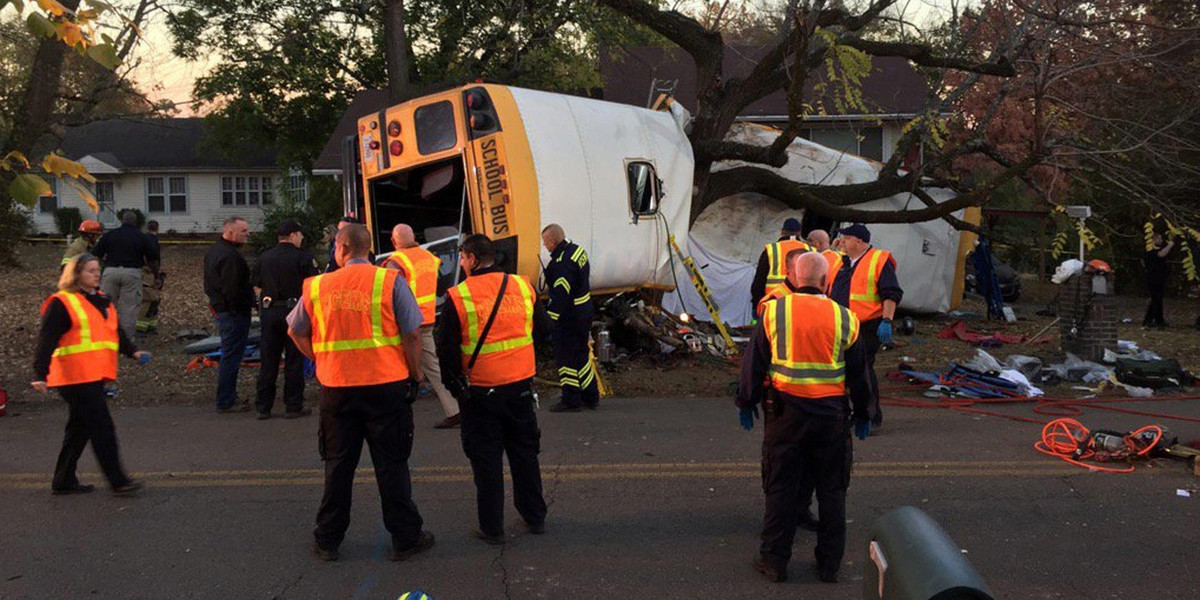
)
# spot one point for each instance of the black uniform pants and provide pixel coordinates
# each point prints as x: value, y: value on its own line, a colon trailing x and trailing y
x: 271, y: 347
x: 868, y: 336
x: 382, y: 415
x: 575, y: 372
x: 88, y: 420
x: 495, y: 422
x: 797, y: 445
x: 1154, y: 312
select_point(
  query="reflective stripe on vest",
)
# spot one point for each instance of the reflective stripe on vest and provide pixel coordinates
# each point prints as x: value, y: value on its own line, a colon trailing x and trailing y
x: 506, y: 356
x: 88, y: 351
x: 864, y: 285
x: 773, y: 293
x: 356, y: 340
x: 808, y: 336
x: 420, y: 269
x: 834, y: 259
x: 777, y: 257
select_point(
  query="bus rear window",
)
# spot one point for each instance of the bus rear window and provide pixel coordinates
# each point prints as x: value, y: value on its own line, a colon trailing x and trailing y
x: 435, y: 127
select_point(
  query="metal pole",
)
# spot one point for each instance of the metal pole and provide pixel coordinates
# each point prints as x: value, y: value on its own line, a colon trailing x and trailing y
x: 1081, y: 223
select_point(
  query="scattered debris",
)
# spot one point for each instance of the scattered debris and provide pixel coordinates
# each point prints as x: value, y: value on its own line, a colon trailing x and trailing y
x: 1067, y: 270
x: 635, y: 327
x: 958, y: 330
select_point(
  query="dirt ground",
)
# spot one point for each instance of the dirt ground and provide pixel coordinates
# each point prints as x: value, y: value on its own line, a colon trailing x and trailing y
x: 165, y: 380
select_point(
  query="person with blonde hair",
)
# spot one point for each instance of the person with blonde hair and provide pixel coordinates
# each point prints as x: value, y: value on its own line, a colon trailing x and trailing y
x: 76, y: 354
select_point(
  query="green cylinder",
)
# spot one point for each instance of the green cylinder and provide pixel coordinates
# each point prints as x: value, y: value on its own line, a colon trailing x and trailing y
x: 910, y: 557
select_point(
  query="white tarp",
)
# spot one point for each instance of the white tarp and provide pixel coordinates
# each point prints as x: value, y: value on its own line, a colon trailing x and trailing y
x: 728, y: 280
x: 735, y: 229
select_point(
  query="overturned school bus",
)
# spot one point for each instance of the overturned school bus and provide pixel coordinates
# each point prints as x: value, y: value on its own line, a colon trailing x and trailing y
x: 505, y: 162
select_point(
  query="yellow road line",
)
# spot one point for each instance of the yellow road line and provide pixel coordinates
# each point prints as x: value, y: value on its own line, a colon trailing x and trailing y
x: 306, y: 478
x: 926, y: 467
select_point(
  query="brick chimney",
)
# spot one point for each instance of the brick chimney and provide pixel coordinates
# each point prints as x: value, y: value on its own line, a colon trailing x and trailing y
x: 1088, y: 322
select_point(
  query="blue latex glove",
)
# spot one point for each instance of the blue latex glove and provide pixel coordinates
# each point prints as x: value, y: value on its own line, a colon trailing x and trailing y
x: 862, y: 428
x: 746, y: 417
x: 885, y: 332
x: 144, y: 358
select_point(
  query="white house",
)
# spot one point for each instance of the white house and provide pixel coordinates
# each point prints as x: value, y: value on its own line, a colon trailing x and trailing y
x: 170, y: 170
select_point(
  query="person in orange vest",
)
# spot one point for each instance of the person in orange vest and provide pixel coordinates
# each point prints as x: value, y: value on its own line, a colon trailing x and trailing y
x: 806, y: 346
x: 770, y: 270
x: 420, y: 267
x: 485, y: 343
x: 76, y: 354
x: 361, y: 325
x: 776, y: 292
x: 867, y: 285
x: 819, y: 240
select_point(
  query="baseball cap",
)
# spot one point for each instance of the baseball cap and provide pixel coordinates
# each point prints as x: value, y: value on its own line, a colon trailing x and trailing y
x: 791, y: 224
x: 288, y: 227
x: 857, y: 230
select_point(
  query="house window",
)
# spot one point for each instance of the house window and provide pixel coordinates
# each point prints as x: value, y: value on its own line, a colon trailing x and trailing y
x: 268, y: 190
x: 297, y: 187
x: 166, y: 195
x: 866, y: 142
x: 246, y: 191
x: 48, y: 203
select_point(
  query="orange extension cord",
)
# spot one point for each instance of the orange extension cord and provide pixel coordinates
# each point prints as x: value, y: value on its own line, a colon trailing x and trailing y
x: 1063, y: 438
x: 1069, y: 440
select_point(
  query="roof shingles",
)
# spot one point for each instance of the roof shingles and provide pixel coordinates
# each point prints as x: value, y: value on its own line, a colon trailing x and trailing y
x: 158, y: 144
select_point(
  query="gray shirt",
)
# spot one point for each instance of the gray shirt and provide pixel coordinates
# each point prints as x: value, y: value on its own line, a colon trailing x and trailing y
x: 404, y: 306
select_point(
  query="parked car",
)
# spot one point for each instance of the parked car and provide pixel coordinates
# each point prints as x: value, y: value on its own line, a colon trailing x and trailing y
x: 1010, y: 281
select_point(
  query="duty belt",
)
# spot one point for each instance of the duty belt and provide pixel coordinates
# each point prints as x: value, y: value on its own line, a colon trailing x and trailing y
x: 288, y: 304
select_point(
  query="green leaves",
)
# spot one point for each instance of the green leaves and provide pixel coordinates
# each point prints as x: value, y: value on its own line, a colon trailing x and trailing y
x: 27, y: 188
x: 40, y: 25
x: 104, y: 54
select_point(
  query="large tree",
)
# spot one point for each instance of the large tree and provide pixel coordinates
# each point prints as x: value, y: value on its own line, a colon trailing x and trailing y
x: 287, y: 69
x: 68, y: 73
x: 818, y: 37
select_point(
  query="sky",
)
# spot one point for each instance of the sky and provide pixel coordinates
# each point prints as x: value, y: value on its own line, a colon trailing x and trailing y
x: 162, y: 76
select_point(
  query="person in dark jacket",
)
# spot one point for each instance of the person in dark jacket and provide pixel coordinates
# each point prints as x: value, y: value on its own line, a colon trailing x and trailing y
x: 79, y: 372
x: 807, y: 412
x: 496, y: 398
x: 1157, y: 273
x: 570, y: 307
x: 231, y: 299
x: 884, y: 294
x: 279, y: 275
x: 125, y: 250
x: 789, y: 239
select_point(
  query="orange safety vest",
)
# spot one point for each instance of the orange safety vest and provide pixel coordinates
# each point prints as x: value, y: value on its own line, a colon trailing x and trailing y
x: 777, y: 258
x: 420, y: 267
x: 507, y: 354
x: 864, y: 284
x: 355, y: 338
x: 773, y: 293
x: 834, y: 258
x: 809, y: 335
x: 88, y: 351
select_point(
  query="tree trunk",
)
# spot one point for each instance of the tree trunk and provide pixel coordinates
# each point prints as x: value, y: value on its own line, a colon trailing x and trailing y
x: 396, y: 51
x: 36, y: 111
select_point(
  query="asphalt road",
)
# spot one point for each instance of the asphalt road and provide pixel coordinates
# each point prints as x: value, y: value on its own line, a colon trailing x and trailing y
x: 649, y: 498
